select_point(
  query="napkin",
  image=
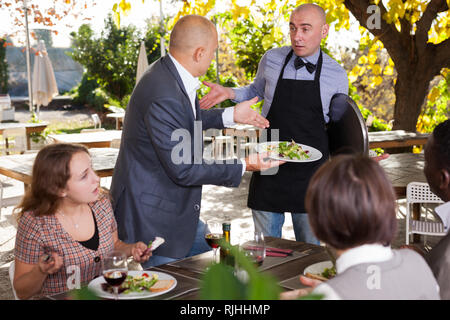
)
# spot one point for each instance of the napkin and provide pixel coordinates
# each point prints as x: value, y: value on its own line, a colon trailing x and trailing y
x: 275, y: 254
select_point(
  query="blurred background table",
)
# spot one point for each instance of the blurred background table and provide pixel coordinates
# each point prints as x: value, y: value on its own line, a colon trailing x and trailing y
x: 396, y: 139
x: 98, y: 139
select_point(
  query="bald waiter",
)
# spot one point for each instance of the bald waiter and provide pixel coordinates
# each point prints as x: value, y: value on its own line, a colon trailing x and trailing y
x: 152, y: 194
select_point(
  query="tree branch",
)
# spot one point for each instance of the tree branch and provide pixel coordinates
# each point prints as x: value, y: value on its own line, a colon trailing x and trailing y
x: 395, y: 43
x: 424, y: 24
x: 439, y: 53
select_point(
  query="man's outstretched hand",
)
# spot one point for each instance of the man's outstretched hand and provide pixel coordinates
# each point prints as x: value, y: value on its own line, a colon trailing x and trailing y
x: 216, y: 95
x: 261, y: 162
x: 243, y: 113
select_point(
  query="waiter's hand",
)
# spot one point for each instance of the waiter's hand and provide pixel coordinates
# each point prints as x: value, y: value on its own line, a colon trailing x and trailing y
x: 261, y: 162
x: 216, y: 95
x: 243, y: 113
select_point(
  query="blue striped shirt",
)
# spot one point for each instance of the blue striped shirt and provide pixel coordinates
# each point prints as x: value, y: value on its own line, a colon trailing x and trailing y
x: 333, y: 78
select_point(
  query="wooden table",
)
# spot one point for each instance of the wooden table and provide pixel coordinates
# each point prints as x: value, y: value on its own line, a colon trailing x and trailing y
x: 119, y: 118
x: 396, y: 139
x: 99, y: 139
x: 189, y: 271
x: 20, y: 166
x: 403, y: 168
x: 29, y: 128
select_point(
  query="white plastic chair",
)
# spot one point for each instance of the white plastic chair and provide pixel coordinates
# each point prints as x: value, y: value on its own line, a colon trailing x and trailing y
x: 11, y: 278
x: 419, y: 192
x: 96, y: 119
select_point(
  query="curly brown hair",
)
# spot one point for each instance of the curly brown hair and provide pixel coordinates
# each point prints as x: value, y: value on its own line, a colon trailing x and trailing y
x: 51, y: 171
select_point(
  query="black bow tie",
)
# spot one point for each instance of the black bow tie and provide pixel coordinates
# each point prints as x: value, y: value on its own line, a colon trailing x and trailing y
x: 299, y: 63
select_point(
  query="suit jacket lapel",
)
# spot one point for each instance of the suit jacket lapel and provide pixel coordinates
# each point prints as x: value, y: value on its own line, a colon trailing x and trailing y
x: 173, y: 70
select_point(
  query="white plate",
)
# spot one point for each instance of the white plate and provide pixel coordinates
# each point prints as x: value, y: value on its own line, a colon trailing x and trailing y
x: 313, y: 152
x: 318, y: 268
x: 96, y: 286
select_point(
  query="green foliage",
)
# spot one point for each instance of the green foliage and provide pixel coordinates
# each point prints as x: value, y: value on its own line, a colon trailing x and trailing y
x: 111, y: 59
x: 3, y: 67
x: 436, y: 111
x: 153, y: 43
x: 251, y: 40
x: 377, y: 124
x: 110, y: 62
x: 220, y: 282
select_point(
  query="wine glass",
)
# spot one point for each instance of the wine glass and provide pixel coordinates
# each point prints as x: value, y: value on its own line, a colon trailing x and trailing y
x: 213, y: 235
x: 115, y: 270
x: 255, y: 249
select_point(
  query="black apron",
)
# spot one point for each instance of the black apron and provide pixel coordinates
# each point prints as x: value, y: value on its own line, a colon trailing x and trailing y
x: 296, y: 111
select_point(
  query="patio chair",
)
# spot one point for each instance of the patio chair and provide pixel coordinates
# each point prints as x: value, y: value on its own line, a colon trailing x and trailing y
x: 347, y: 131
x: 11, y: 278
x: 15, y: 140
x: 96, y: 119
x: 419, y: 192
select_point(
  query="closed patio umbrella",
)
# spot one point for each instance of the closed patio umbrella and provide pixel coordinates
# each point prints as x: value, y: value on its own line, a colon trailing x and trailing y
x: 142, y: 62
x: 44, y: 82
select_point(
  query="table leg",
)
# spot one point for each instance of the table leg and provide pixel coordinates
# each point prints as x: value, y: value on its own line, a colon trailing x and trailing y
x: 416, y: 216
x: 28, y: 142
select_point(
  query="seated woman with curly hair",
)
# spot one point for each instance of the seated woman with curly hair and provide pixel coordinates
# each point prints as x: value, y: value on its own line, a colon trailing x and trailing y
x: 66, y: 226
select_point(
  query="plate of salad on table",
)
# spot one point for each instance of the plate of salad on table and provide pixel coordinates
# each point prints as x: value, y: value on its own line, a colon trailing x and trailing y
x: 137, y: 285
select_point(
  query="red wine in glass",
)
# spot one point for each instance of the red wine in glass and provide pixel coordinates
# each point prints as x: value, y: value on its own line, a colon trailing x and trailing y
x: 115, y: 277
x: 258, y: 260
x: 213, y: 239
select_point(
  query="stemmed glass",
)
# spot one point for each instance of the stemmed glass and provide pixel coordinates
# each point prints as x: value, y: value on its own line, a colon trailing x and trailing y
x: 115, y: 270
x: 213, y: 235
x: 255, y: 249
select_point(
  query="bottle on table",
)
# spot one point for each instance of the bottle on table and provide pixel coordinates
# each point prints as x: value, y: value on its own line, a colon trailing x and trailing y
x: 225, y: 255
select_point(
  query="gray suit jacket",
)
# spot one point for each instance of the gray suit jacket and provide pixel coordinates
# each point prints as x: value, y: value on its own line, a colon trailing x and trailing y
x: 153, y: 196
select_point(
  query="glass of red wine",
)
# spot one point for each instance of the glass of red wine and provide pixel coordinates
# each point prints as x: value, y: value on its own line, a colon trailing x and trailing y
x: 255, y: 249
x: 213, y: 235
x: 115, y: 270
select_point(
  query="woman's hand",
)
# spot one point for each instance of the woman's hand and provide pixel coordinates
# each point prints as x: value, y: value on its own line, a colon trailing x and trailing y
x: 140, y: 253
x: 50, y: 264
x: 295, y: 294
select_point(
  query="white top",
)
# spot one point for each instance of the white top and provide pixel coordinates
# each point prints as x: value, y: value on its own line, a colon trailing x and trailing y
x: 192, y: 84
x: 443, y: 212
x: 367, y: 253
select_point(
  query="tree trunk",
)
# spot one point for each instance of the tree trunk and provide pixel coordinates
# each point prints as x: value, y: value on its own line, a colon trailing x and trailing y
x: 410, y: 92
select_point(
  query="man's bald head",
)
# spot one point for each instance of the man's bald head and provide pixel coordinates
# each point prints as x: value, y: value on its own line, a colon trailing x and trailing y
x: 312, y: 8
x: 191, y: 32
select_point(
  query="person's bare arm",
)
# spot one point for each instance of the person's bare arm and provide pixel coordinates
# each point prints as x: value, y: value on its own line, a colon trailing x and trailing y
x: 29, y: 278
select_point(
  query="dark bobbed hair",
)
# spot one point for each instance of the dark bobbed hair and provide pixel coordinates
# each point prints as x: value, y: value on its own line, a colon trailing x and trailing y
x: 351, y: 202
x: 51, y: 171
x: 441, y: 145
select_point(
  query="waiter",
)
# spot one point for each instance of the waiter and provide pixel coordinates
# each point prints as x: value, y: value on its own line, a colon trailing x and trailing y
x: 297, y: 83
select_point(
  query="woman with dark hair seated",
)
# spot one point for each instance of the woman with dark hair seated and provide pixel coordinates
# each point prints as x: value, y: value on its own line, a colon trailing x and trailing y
x: 351, y: 206
x: 66, y: 225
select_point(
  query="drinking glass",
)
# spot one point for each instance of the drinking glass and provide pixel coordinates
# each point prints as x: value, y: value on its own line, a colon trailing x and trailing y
x: 115, y: 270
x: 213, y: 235
x: 255, y: 249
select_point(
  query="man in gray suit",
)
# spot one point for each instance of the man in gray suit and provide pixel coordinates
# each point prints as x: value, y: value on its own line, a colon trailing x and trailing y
x: 437, y: 171
x: 157, y: 185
